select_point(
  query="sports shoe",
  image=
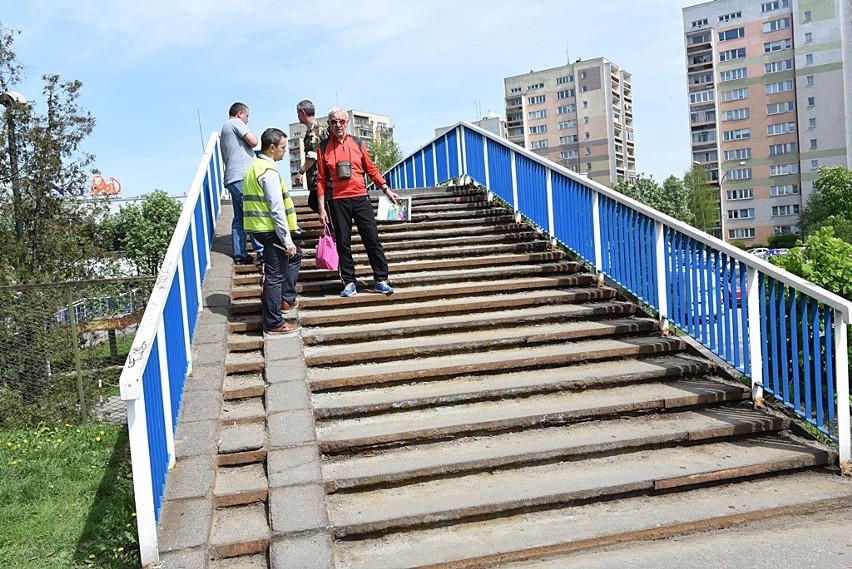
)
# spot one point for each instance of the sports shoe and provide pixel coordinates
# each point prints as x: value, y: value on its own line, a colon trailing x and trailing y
x: 288, y: 306
x: 247, y: 260
x: 350, y: 290
x: 285, y: 329
x: 383, y: 287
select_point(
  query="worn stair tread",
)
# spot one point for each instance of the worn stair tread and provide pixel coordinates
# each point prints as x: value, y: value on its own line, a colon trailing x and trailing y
x: 475, y: 340
x: 545, y: 409
x: 496, y: 360
x: 449, y: 316
x: 459, y: 389
x: 527, y: 535
x: 647, y: 470
x: 477, y: 453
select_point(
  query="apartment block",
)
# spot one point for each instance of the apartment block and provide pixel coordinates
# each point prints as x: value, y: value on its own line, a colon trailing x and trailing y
x: 579, y: 115
x: 369, y: 127
x: 769, y: 101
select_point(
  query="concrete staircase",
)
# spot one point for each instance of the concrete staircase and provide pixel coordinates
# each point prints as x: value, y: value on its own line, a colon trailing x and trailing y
x: 500, y: 406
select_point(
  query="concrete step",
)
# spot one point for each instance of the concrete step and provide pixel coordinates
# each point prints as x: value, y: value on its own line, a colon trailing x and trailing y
x: 564, y: 483
x: 504, y: 386
x: 416, y: 425
x: 250, y: 341
x: 521, y: 334
x: 364, y: 323
x: 537, y: 534
x: 495, y: 361
x: 414, y: 463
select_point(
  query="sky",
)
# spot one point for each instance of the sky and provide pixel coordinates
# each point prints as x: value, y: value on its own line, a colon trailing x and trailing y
x: 159, y: 75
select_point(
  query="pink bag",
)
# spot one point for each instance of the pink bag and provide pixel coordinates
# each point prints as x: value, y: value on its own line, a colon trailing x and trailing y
x: 327, y: 250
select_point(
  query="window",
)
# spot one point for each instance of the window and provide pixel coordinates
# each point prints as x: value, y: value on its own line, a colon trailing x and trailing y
x: 772, y: 6
x: 738, y: 134
x: 588, y: 150
x: 538, y: 144
x: 564, y: 125
x: 536, y: 100
x: 585, y: 104
x: 733, y: 74
x: 809, y: 37
x: 785, y: 230
x: 568, y: 139
x: 743, y: 233
x: 565, y: 94
x: 735, y: 114
x: 515, y: 90
x: 738, y: 154
x: 585, y: 120
x: 568, y: 154
x: 774, y: 25
x: 735, y: 94
x: 704, y: 136
x: 514, y: 102
x: 811, y: 101
x: 535, y: 86
x: 779, y: 87
x: 814, y: 164
x: 740, y: 174
x: 785, y: 148
x: 586, y: 135
x: 745, y: 213
x: 538, y: 114
x: 734, y: 195
x: 783, y: 169
x: 588, y: 166
x: 783, y: 190
x: 813, y: 144
x: 778, y: 108
x: 732, y: 34
x: 538, y: 129
x: 731, y: 16
x: 700, y: 38
x: 699, y: 23
x: 583, y: 88
x: 778, y: 210
x: 776, y: 66
x: 582, y: 74
x: 732, y: 54
x: 564, y: 79
x: 812, y: 122
x: 778, y: 45
x: 809, y: 59
x: 809, y: 80
x: 807, y: 16
x: 565, y: 109
x: 780, y: 128
x: 701, y: 96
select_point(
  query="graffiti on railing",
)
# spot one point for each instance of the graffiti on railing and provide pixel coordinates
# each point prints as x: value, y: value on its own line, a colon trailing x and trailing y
x: 135, y: 355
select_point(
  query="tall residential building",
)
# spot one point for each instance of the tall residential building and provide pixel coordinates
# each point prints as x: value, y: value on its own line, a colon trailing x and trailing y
x: 770, y: 103
x: 578, y: 115
x: 493, y: 123
x: 369, y: 127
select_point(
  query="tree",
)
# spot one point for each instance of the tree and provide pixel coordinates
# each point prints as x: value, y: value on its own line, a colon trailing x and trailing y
x: 830, y: 204
x: 670, y: 198
x: 143, y: 232
x: 44, y: 236
x: 703, y: 199
x: 385, y: 153
x: 824, y: 260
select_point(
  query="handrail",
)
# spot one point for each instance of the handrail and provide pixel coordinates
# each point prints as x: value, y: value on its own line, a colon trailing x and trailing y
x: 788, y: 335
x: 159, y: 361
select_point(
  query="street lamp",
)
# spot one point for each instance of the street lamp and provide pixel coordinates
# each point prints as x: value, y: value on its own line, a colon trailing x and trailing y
x: 724, y: 175
x: 10, y: 100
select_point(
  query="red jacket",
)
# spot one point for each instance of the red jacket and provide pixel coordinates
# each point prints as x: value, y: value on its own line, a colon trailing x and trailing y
x: 357, y: 154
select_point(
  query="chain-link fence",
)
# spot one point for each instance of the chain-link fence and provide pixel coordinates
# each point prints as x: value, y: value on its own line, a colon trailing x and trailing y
x: 62, y: 348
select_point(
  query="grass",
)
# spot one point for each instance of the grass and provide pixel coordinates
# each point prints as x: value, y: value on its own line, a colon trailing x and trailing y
x: 66, y: 498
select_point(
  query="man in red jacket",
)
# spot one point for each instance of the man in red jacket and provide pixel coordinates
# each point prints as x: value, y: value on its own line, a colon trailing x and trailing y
x: 342, y: 162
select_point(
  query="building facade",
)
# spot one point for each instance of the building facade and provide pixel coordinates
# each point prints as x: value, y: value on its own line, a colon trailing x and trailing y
x: 769, y: 101
x: 369, y: 127
x: 578, y: 115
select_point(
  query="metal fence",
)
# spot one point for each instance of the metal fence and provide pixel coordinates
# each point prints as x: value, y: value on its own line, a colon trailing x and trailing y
x: 62, y: 346
x: 790, y: 337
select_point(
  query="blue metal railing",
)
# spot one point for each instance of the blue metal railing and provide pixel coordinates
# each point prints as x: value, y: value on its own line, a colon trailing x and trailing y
x: 153, y: 377
x: 787, y: 335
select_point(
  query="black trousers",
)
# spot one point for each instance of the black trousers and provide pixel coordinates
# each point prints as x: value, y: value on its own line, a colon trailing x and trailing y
x: 343, y: 213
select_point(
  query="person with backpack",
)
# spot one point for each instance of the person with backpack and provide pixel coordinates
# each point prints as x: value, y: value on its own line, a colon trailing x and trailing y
x: 343, y: 161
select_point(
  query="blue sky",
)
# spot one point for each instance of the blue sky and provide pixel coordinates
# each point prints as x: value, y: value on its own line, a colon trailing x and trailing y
x: 150, y: 68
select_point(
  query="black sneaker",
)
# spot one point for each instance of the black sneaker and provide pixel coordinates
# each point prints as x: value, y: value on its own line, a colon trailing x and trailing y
x: 247, y: 260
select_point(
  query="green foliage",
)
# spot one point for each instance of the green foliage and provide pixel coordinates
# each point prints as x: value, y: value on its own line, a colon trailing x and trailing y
x: 824, y: 260
x: 143, y: 233
x: 66, y: 498
x: 385, y: 153
x: 783, y: 241
x: 830, y: 204
x: 703, y: 199
x: 671, y: 198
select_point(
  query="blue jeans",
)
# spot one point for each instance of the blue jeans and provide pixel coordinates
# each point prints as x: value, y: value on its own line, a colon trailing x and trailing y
x: 280, y: 274
x: 238, y: 234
